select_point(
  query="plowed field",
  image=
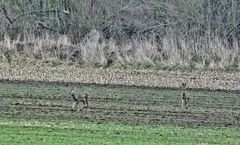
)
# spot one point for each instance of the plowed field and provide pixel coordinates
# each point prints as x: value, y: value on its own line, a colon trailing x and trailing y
x: 130, y: 105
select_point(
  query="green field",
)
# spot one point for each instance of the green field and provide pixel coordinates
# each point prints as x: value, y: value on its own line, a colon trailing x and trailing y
x: 69, y: 132
x: 40, y: 113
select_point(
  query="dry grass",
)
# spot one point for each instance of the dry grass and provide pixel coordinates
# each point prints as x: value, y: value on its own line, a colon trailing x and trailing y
x: 93, y: 50
x: 37, y: 71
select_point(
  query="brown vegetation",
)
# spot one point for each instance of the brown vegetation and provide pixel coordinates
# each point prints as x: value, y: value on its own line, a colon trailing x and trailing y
x: 195, y: 79
x: 155, y: 34
x: 140, y: 54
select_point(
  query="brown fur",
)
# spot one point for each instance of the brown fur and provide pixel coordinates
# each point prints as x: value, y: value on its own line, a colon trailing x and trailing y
x: 185, y: 98
x: 79, y: 97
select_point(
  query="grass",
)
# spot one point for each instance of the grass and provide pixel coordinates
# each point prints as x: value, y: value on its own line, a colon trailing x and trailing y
x: 50, y: 121
x: 122, y: 104
x: 36, y: 132
x: 52, y: 52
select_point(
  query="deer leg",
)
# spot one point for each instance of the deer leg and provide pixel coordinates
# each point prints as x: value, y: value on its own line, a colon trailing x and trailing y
x: 73, y: 105
x: 84, y: 104
x: 186, y: 104
x: 80, y: 108
x: 182, y: 105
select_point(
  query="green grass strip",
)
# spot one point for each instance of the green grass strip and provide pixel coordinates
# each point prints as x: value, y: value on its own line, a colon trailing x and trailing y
x: 28, y: 132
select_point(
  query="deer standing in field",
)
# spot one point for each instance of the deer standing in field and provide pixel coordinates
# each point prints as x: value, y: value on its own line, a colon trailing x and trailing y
x: 184, y: 97
x: 79, y: 97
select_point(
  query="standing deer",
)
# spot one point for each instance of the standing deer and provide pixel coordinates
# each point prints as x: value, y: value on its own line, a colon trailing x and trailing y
x: 79, y: 97
x: 184, y: 98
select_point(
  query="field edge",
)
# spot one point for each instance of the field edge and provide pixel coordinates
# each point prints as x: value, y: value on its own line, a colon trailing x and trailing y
x: 72, y: 132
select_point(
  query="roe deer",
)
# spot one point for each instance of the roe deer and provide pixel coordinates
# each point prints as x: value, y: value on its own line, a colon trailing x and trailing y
x: 79, y: 97
x: 184, y: 98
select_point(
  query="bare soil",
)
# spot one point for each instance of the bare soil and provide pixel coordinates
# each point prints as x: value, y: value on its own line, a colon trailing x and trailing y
x: 132, y: 105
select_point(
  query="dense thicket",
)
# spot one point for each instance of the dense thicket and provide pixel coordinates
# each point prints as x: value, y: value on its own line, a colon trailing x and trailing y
x: 122, y: 19
x: 164, y: 30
